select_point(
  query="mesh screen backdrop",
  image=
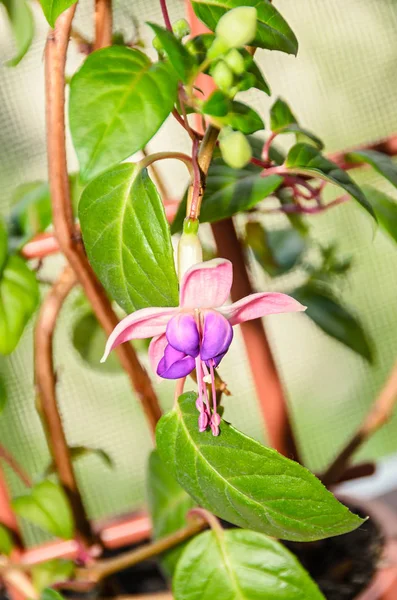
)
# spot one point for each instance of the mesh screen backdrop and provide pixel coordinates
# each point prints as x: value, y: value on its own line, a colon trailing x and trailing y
x: 343, y: 87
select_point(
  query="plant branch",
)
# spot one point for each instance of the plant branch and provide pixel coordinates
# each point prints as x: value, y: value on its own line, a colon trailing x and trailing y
x: 15, y: 466
x: 152, y: 158
x: 70, y: 243
x: 103, y: 568
x: 166, y: 17
x: 379, y: 415
x: 103, y: 24
x: 45, y: 380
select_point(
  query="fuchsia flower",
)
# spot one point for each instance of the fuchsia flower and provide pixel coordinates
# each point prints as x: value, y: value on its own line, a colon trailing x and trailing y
x: 197, y: 334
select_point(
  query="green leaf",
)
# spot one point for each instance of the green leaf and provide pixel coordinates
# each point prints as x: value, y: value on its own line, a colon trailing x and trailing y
x: 246, y: 483
x: 53, y: 8
x: 333, y: 318
x: 260, y: 82
x: 241, y: 564
x: 31, y: 212
x: 50, y: 594
x: 230, y: 191
x: 242, y: 117
x: 3, y: 245
x: 89, y: 340
x: 19, y: 296
x: 46, y: 505
x: 118, y: 101
x: 385, y: 209
x: 380, y: 162
x: 180, y: 58
x: 77, y: 452
x: 127, y: 238
x: 276, y: 250
x: 217, y: 105
x: 52, y: 571
x: 168, y: 505
x: 282, y: 120
x: 305, y: 159
x: 6, y: 540
x: 21, y: 21
x: 273, y: 31
x: 3, y: 396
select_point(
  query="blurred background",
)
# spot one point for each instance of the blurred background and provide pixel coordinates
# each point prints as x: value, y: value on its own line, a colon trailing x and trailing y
x: 343, y: 87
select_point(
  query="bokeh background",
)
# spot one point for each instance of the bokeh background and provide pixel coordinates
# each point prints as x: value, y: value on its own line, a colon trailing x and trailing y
x: 343, y: 86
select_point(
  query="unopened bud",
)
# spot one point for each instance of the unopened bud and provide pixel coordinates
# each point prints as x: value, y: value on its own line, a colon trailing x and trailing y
x: 235, y: 61
x: 181, y: 28
x: 190, y: 251
x: 237, y: 27
x: 235, y: 149
x: 157, y: 45
x: 223, y: 76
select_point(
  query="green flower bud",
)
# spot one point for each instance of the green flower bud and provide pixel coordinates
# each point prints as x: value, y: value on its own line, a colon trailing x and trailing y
x: 157, y: 45
x: 181, y: 28
x: 237, y: 27
x: 223, y: 76
x: 190, y: 252
x: 218, y: 48
x: 235, y: 149
x: 235, y: 61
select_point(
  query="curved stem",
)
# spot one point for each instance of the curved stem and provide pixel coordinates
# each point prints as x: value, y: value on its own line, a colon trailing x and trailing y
x: 166, y: 17
x: 70, y: 243
x: 152, y: 158
x: 15, y: 466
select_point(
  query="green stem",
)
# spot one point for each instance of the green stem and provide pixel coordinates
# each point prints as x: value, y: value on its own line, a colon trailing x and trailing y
x: 152, y: 158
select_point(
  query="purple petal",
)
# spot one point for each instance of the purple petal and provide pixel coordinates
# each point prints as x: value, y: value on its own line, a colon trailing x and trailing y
x: 183, y: 335
x: 175, y: 364
x: 217, y: 335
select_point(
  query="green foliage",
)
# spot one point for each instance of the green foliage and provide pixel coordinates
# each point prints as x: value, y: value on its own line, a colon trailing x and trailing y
x: 217, y: 105
x: 6, y: 541
x: 385, y: 209
x: 380, y: 162
x: 89, y: 340
x: 120, y: 207
x: 230, y: 191
x: 3, y: 396
x: 169, y: 505
x: 333, y: 318
x: 242, y: 117
x: 305, y: 159
x: 282, y: 120
x: 21, y: 22
x: 50, y: 572
x: 240, y: 564
x: 19, y: 296
x: 3, y: 245
x: 276, y: 250
x: 53, y: 8
x: 273, y: 32
x: 246, y: 483
x: 31, y: 212
x: 50, y: 594
x: 46, y: 505
x: 182, y: 61
x: 108, y: 126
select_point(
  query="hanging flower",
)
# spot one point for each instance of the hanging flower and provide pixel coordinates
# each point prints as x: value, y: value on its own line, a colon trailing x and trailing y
x: 197, y: 334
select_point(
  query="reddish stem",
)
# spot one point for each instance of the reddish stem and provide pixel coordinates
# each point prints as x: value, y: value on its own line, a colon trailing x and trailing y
x: 166, y: 17
x: 15, y: 466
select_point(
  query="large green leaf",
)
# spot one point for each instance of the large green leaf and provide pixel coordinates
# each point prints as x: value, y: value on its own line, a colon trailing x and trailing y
x: 230, y: 191
x: 243, y: 565
x: 118, y: 101
x: 6, y: 541
x: 46, y: 505
x: 168, y: 504
x: 53, y: 8
x: 380, y: 162
x: 334, y: 319
x: 127, y: 238
x: 385, y: 209
x: 305, y: 159
x: 282, y: 120
x: 180, y: 58
x: 31, y: 211
x: 276, y: 250
x: 89, y: 340
x: 22, y: 25
x: 246, y: 483
x: 19, y: 296
x: 273, y: 32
